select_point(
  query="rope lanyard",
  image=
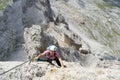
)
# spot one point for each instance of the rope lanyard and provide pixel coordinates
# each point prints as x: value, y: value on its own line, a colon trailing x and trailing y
x: 16, y: 66
x: 20, y: 65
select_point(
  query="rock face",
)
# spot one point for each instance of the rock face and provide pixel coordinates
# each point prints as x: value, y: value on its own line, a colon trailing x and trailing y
x: 21, y: 14
x: 36, y: 12
x: 10, y: 29
x: 67, y: 33
x: 44, y: 71
x: 18, y: 15
x: 85, y: 32
x: 64, y: 33
x: 98, y: 20
x: 38, y: 38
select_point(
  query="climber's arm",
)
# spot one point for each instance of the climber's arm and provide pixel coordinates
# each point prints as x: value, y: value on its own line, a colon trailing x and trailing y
x: 36, y: 58
x: 61, y: 62
x: 40, y: 55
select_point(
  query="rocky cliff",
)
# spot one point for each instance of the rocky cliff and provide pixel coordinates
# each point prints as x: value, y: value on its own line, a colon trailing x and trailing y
x: 98, y: 20
x: 85, y: 31
x: 18, y: 15
x: 95, y: 22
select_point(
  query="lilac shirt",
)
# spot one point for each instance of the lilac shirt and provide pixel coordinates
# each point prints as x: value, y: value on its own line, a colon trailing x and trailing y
x: 49, y: 56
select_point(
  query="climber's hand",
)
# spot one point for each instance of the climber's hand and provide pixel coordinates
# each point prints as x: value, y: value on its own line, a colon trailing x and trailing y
x: 62, y: 67
x: 36, y: 58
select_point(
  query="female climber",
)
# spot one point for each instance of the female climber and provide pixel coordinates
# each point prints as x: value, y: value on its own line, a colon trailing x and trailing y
x: 51, y: 54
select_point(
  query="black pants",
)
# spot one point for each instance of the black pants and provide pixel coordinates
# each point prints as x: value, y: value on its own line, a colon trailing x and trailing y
x: 56, y: 59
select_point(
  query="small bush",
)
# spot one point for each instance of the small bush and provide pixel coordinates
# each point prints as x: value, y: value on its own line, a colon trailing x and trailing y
x: 3, y: 4
x: 103, y: 6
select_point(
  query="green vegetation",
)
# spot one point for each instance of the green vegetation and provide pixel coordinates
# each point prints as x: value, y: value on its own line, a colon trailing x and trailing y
x: 115, y: 32
x: 3, y: 4
x: 103, y: 6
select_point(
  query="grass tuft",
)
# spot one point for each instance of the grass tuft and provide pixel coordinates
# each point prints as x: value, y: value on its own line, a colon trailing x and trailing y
x: 3, y: 4
x: 104, y: 6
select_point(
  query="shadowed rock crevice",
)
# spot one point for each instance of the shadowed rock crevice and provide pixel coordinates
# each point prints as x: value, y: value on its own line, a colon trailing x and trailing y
x: 60, y: 19
x: 71, y: 43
